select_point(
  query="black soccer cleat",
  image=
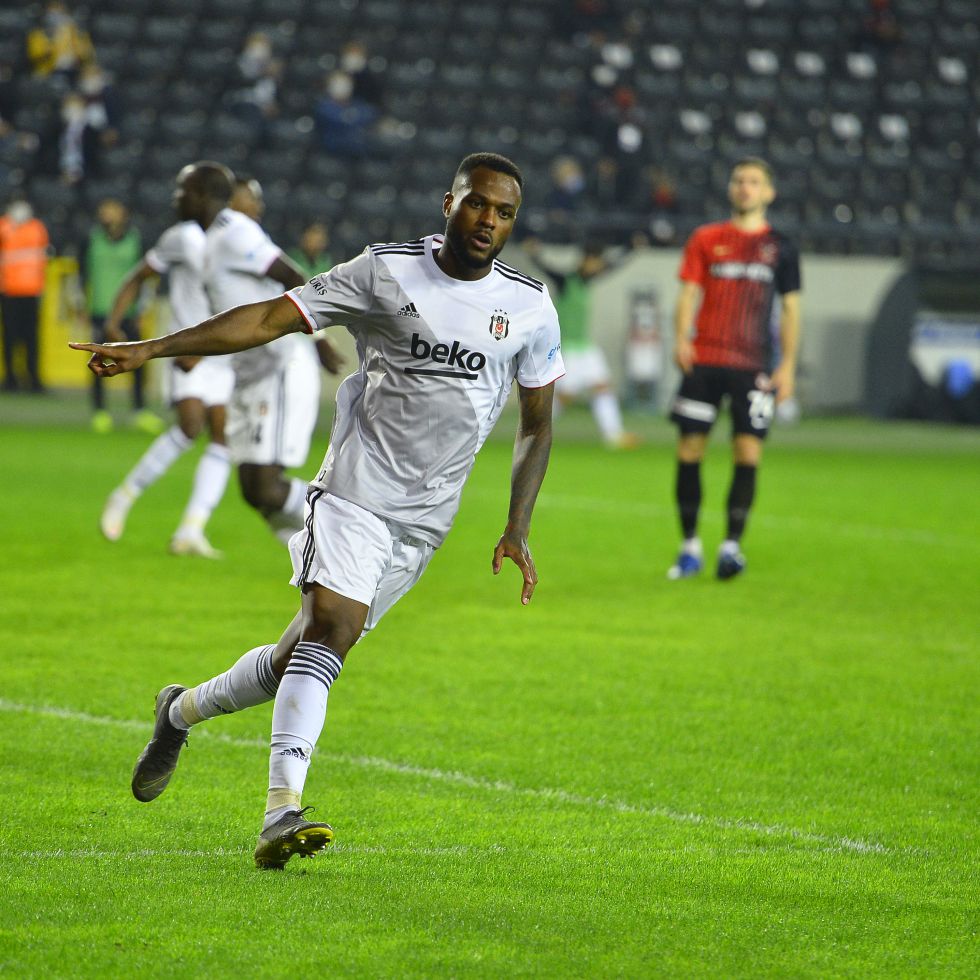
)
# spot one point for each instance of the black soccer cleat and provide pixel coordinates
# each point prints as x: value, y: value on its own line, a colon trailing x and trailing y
x: 730, y: 564
x: 290, y: 835
x: 158, y: 760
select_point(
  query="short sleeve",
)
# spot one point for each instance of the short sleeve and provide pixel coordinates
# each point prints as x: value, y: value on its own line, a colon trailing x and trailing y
x: 539, y: 361
x: 788, y: 279
x: 252, y: 251
x: 342, y: 295
x: 164, y: 253
x: 692, y: 263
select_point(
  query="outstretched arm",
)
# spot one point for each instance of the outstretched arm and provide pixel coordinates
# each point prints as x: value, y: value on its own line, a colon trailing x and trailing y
x: 531, y: 450
x: 235, y: 330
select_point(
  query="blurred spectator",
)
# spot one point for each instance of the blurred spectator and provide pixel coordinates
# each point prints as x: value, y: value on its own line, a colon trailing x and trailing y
x: 72, y: 144
x: 101, y: 104
x: 343, y: 122
x: 258, y: 98
x: 58, y: 46
x: 311, y: 255
x: 112, y: 249
x: 23, y: 259
x: 355, y: 62
x: 256, y: 56
x: 567, y: 188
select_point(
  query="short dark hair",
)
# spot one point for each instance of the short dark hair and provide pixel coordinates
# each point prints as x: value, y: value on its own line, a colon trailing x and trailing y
x: 214, y: 180
x: 758, y: 162
x: 492, y: 161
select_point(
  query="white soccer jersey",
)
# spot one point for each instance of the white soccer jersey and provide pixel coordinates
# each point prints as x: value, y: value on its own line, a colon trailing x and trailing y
x: 237, y: 255
x: 437, y: 359
x: 179, y: 254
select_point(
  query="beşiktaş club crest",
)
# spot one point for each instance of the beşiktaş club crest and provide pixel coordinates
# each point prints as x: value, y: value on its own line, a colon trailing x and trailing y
x: 499, y: 325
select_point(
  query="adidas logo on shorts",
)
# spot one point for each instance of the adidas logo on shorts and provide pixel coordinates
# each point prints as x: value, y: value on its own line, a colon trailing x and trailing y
x: 409, y: 310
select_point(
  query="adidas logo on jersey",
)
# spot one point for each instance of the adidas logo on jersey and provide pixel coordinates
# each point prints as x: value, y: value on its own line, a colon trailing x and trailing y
x: 469, y: 362
x: 409, y: 310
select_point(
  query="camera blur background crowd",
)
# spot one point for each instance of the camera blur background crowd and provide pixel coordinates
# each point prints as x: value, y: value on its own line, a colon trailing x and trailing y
x: 626, y: 119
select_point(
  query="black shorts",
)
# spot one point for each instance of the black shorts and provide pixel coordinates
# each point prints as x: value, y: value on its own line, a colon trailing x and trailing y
x: 695, y: 408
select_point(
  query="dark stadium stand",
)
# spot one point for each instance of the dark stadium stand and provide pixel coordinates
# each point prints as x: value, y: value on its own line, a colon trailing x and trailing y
x: 874, y: 136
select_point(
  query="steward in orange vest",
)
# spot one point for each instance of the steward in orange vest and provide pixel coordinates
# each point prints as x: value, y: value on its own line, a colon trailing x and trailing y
x: 23, y: 258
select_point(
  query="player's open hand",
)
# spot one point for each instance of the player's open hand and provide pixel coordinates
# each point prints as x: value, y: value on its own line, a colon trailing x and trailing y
x: 108, y: 360
x: 514, y: 546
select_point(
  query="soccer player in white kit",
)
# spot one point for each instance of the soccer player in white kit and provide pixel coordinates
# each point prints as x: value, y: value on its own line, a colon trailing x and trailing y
x: 200, y: 388
x: 276, y: 396
x: 443, y: 329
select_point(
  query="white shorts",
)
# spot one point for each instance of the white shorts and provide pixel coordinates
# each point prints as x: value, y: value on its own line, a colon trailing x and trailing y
x: 271, y: 419
x: 353, y: 552
x: 211, y: 381
x: 585, y: 369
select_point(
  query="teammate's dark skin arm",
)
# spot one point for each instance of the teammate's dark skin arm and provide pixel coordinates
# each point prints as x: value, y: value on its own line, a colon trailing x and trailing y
x: 532, y: 448
x: 285, y: 271
x: 238, y: 329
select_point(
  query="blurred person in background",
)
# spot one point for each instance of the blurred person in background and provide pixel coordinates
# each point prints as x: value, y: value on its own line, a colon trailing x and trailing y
x: 112, y: 249
x: 311, y: 255
x: 586, y: 371
x: 72, y: 141
x: 23, y: 260
x: 276, y: 396
x: 343, y: 121
x: 247, y: 198
x: 200, y: 389
x: 256, y: 99
x: 367, y: 82
x: 57, y: 46
x: 724, y: 347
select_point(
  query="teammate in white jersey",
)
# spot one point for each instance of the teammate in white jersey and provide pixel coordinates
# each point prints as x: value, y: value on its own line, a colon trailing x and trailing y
x: 200, y: 388
x: 443, y: 329
x: 276, y: 397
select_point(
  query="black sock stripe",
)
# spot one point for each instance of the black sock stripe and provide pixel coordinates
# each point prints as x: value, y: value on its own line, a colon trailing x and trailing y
x: 316, y: 666
x: 309, y: 673
x: 266, y: 675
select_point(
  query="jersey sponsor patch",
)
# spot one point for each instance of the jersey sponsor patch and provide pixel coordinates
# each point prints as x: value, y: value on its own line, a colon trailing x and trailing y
x: 460, y: 361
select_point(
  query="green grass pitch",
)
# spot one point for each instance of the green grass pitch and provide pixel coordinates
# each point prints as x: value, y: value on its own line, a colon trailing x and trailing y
x: 770, y: 777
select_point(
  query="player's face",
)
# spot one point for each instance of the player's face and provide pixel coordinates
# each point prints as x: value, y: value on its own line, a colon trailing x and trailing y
x: 480, y: 212
x: 749, y: 190
x: 185, y: 199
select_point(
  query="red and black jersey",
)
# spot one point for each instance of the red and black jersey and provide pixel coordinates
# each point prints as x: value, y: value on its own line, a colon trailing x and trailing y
x: 740, y: 273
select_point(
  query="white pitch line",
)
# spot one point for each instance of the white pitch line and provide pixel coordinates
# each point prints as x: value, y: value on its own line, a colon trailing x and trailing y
x: 827, y: 841
x: 80, y: 853
x: 640, y: 508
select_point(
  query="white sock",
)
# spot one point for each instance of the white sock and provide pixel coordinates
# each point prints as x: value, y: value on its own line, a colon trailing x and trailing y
x: 692, y: 546
x: 164, y: 451
x: 248, y: 682
x: 605, y: 408
x: 728, y: 547
x: 210, y: 480
x: 286, y: 522
x: 297, y: 720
